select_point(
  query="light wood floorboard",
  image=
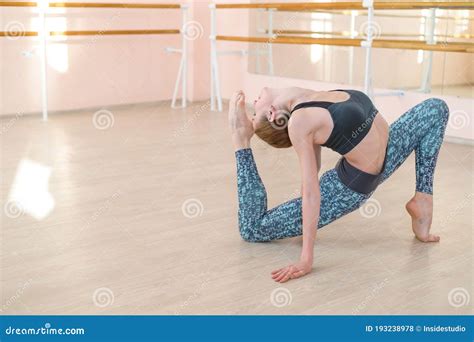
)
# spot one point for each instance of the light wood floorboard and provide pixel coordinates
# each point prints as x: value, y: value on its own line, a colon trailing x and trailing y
x: 118, y: 224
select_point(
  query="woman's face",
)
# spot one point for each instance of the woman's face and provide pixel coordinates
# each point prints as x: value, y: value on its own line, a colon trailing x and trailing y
x: 262, y: 106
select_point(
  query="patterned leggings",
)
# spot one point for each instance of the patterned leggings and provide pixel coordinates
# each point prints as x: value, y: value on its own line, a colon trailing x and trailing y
x: 421, y: 129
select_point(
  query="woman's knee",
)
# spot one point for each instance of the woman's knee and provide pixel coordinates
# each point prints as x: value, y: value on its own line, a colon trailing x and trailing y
x: 246, y: 234
x: 249, y: 233
x: 442, y: 109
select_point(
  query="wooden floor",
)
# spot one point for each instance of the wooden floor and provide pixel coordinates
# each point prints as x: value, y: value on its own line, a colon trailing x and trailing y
x: 144, y: 222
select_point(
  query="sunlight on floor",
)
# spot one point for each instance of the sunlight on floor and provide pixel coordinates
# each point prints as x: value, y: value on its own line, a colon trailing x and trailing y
x: 30, y: 189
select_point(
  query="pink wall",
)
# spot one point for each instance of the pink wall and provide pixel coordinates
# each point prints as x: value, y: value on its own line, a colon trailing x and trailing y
x: 89, y: 71
x: 105, y: 71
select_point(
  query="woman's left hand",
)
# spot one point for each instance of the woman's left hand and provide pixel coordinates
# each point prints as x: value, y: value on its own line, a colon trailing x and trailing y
x: 293, y: 271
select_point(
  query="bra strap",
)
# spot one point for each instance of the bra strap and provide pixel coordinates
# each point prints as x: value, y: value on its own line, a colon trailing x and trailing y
x: 322, y: 104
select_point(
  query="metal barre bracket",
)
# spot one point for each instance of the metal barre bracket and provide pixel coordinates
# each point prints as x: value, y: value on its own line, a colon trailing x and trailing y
x: 173, y: 50
x: 368, y: 3
x: 242, y: 52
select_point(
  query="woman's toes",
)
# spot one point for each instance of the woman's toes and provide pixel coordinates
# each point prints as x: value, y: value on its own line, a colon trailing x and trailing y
x: 241, y: 101
x: 234, y: 97
x: 429, y: 238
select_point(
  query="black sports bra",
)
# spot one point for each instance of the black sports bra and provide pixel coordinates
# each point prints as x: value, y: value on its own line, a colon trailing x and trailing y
x: 352, y: 119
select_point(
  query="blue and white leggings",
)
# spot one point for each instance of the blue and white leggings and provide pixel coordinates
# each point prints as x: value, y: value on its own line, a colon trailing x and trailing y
x: 421, y: 129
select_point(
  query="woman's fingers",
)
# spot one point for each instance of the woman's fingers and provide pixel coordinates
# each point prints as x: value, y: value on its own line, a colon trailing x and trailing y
x: 278, y: 273
x: 292, y: 270
x: 286, y: 277
x: 278, y: 270
x: 274, y: 276
x: 281, y: 278
x: 288, y: 273
x: 282, y: 275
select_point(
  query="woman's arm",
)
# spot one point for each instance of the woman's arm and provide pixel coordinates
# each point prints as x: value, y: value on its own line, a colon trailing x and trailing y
x: 317, y: 156
x: 302, y: 136
x: 310, y: 193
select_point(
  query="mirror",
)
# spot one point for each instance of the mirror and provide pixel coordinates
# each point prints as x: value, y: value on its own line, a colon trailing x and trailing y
x: 437, y: 72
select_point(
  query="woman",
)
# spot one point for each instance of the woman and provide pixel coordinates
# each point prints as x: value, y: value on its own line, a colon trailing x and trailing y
x: 347, y: 122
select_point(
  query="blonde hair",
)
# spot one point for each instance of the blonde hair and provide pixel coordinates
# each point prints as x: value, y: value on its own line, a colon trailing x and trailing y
x: 275, y: 133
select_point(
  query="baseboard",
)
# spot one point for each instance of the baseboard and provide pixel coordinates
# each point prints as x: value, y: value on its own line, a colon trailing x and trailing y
x: 88, y: 109
x: 460, y: 141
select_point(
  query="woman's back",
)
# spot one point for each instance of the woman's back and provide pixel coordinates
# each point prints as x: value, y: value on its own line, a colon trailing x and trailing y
x: 352, y: 126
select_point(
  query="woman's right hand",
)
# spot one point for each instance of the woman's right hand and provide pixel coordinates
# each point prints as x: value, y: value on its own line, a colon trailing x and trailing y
x: 240, y: 125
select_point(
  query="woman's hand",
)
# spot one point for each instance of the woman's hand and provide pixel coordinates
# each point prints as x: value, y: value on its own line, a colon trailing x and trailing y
x: 240, y: 125
x: 293, y: 271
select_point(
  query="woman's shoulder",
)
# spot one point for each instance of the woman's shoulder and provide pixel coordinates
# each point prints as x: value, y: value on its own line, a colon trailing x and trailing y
x: 305, y: 121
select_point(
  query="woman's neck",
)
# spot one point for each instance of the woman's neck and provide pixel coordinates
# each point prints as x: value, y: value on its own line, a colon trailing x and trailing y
x: 287, y: 98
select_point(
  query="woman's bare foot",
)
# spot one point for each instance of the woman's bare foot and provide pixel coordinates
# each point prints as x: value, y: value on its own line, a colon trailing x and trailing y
x: 240, y: 125
x: 420, y: 208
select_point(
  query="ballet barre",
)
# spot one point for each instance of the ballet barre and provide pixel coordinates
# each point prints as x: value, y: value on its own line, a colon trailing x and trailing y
x: 92, y: 33
x: 380, y: 15
x: 350, y: 34
x: 273, y: 36
x: 352, y: 5
x: 356, y: 42
x: 88, y: 5
x: 43, y: 33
